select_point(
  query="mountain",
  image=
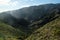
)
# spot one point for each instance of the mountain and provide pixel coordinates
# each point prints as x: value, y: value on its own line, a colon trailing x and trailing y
x: 24, y: 22
x: 50, y: 31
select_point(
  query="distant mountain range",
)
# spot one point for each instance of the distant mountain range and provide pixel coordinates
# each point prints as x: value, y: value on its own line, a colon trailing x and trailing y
x: 27, y: 20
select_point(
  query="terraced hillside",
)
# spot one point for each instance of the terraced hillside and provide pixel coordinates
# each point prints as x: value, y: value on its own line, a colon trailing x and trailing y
x: 50, y: 31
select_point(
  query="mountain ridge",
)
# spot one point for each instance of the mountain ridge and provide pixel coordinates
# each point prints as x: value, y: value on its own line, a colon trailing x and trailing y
x: 29, y: 19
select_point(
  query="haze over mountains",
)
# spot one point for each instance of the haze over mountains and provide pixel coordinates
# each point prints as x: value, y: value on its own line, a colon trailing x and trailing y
x: 24, y: 22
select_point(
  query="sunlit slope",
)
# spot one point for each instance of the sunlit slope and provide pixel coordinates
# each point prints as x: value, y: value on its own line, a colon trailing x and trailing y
x: 50, y: 31
x: 7, y: 32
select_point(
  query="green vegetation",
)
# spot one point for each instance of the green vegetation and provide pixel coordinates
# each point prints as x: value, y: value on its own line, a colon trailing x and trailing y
x: 31, y: 23
x: 50, y: 31
x: 7, y: 32
x: 2, y: 37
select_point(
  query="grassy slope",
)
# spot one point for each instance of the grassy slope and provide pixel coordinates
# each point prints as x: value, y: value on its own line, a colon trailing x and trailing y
x: 7, y: 32
x: 50, y: 31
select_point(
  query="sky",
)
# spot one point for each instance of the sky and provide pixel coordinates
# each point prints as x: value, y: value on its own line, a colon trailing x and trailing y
x: 7, y: 5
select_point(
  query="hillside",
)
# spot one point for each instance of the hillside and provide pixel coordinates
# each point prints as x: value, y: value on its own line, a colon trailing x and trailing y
x: 22, y: 23
x: 7, y: 32
x: 22, y: 18
x: 50, y: 31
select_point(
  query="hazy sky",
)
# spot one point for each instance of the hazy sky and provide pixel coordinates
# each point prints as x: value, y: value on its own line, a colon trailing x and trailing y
x: 6, y: 5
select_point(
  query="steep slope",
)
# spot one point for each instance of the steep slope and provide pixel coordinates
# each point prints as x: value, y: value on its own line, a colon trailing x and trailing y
x: 24, y: 17
x: 7, y: 32
x: 29, y: 19
x: 50, y: 31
